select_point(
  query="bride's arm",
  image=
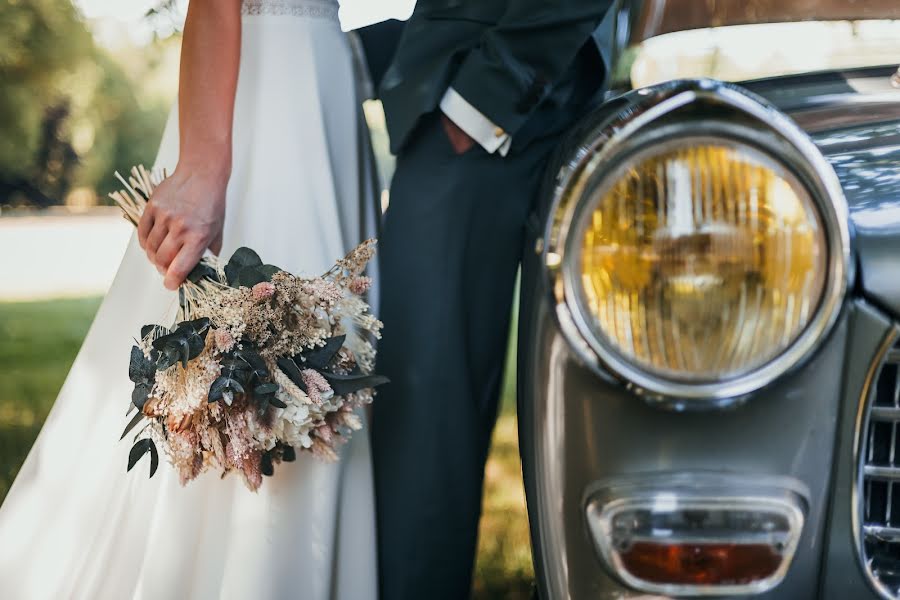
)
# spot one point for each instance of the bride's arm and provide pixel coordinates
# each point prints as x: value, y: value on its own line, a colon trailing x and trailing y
x: 187, y: 211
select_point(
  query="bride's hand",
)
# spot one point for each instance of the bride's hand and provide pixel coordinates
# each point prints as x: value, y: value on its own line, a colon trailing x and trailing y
x: 184, y: 217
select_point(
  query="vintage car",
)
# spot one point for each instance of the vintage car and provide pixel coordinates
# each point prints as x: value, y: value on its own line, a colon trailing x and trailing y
x: 710, y: 339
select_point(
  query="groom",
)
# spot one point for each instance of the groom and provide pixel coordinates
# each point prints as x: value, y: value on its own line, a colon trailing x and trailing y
x: 476, y: 97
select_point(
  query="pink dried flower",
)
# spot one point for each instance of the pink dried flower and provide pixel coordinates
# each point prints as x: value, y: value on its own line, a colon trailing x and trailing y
x: 360, y: 285
x: 240, y: 441
x: 323, y: 451
x: 263, y: 291
x: 224, y: 340
x: 317, y: 387
x: 324, y: 433
x: 251, y: 469
x: 185, y: 455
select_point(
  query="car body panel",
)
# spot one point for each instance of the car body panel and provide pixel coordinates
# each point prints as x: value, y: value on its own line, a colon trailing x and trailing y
x: 854, y: 119
x: 650, y: 18
x: 842, y: 576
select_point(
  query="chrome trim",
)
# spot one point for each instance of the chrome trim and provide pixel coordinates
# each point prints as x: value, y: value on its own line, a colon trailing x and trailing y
x: 751, y: 122
x: 702, y: 491
x: 882, y: 357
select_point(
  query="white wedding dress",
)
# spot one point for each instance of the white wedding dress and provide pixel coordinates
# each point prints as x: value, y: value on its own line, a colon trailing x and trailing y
x: 75, y: 525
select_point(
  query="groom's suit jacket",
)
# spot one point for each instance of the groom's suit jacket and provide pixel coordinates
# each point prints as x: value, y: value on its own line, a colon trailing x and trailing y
x: 522, y: 64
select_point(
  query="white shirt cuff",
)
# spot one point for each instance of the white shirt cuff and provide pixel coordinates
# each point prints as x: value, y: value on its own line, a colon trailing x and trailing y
x: 481, y: 129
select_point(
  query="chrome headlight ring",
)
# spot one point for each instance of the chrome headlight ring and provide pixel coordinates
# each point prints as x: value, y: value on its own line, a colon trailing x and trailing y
x: 654, y: 115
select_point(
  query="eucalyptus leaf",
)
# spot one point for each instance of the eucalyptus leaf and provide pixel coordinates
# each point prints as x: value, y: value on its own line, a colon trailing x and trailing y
x: 137, y: 418
x: 197, y: 325
x: 230, y: 361
x: 140, y: 448
x: 245, y: 365
x: 294, y: 373
x: 162, y: 341
x: 242, y: 258
x: 202, y: 271
x: 249, y: 276
x: 264, y: 389
x: 224, y: 384
x: 195, y: 345
x: 140, y: 369
x: 289, y: 454
x: 347, y: 384
x: 167, y: 358
x: 274, y: 401
x: 155, y: 330
x: 269, y: 271
x: 251, y: 357
x: 318, y: 358
x: 184, y: 352
x: 139, y: 395
x: 183, y: 344
x: 266, y: 466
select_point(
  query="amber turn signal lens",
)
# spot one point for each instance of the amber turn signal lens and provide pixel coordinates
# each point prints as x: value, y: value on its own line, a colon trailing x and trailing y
x: 700, y: 564
x: 702, y: 260
x: 697, y: 533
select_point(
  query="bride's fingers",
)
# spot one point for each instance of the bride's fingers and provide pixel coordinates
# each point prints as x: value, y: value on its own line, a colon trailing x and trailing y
x: 216, y: 245
x: 187, y: 259
x: 145, y: 225
x: 154, y: 239
x: 167, y: 252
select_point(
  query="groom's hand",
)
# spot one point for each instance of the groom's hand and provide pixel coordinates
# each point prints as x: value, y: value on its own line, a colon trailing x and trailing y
x: 461, y: 141
x: 184, y: 217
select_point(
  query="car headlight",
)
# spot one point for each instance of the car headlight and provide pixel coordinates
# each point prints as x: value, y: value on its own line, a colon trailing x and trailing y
x: 701, y: 259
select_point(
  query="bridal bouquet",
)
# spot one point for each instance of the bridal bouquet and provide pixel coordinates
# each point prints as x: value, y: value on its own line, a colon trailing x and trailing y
x: 261, y: 363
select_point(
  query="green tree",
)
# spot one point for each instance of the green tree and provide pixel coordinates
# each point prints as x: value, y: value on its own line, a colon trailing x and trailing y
x: 69, y: 113
x: 39, y: 41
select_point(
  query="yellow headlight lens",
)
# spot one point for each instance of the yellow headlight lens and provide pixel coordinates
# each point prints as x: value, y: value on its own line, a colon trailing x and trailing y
x: 703, y: 261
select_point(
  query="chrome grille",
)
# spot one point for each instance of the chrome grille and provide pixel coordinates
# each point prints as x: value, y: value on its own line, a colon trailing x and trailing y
x: 880, y: 478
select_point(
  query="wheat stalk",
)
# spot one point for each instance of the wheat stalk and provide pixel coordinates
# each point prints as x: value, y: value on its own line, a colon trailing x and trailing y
x: 138, y: 190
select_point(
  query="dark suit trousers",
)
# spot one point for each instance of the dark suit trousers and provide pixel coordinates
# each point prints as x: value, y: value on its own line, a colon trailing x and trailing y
x: 449, y: 252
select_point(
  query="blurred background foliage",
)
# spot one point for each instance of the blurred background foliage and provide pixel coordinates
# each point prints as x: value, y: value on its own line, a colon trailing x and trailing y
x: 72, y: 112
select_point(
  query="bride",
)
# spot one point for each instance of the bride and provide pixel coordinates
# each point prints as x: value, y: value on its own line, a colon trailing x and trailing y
x: 267, y: 148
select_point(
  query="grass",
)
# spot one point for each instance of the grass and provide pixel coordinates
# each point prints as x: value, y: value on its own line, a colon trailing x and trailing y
x: 39, y: 341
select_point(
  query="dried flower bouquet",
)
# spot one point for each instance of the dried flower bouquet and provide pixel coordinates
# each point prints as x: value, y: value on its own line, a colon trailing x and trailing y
x: 261, y: 363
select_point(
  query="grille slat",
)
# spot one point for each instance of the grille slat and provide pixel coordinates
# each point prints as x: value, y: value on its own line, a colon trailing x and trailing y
x: 880, y: 472
x: 885, y: 413
x: 888, y: 534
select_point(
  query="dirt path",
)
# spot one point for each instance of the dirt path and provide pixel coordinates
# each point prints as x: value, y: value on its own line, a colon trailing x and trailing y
x: 55, y: 256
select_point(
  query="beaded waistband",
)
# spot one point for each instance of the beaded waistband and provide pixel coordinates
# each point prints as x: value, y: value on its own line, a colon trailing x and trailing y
x: 317, y: 9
